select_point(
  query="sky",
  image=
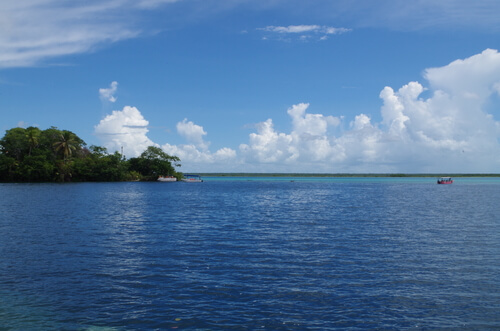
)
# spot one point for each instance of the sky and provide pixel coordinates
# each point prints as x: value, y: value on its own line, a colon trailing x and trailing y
x: 285, y: 86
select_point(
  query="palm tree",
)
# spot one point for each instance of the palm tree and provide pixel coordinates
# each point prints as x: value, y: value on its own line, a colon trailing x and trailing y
x: 67, y: 144
x: 33, y: 135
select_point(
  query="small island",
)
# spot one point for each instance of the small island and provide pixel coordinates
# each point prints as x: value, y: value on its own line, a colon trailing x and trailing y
x: 53, y: 155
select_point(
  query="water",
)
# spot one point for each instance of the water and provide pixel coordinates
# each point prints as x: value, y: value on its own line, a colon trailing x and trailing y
x: 250, y: 254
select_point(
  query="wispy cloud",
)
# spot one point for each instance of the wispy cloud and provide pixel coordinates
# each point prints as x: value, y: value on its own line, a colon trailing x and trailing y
x: 412, y: 15
x: 305, y: 29
x: 108, y: 94
x: 391, y: 14
x: 33, y: 31
x: 302, y: 31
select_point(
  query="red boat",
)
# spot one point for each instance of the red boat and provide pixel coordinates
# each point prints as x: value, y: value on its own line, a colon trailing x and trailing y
x: 445, y: 180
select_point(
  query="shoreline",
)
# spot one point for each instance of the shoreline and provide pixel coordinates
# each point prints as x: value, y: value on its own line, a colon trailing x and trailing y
x: 333, y: 175
x: 287, y: 175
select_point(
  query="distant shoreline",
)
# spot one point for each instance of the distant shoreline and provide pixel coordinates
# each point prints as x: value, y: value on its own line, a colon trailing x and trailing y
x: 230, y: 174
x: 296, y: 175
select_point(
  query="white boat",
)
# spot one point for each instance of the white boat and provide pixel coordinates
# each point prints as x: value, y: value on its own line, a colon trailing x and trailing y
x: 167, y: 179
x: 192, y: 179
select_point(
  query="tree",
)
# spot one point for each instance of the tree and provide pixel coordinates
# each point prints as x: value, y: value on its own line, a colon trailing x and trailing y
x: 154, y: 162
x: 33, y: 136
x: 8, y: 168
x: 67, y: 143
x: 15, y: 143
x: 46, y: 143
x: 36, y: 168
x: 34, y: 155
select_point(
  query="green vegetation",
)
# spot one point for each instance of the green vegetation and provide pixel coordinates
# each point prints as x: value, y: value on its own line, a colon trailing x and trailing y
x: 154, y: 162
x: 53, y: 155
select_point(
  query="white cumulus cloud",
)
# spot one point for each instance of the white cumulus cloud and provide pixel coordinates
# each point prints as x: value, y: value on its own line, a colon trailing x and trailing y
x: 307, y: 143
x: 193, y: 133
x: 195, y: 154
x: 451, y: 130
x: 267, y: 145
x: 448, y: 125
x: 128, y: 129
x: 312, y: 124
x: 125, y: 128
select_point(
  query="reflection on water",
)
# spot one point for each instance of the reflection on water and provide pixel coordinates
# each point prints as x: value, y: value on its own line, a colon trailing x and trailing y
x: 249, y: 255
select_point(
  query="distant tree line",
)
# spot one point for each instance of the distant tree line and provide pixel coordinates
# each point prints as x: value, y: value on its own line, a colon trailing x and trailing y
x: 53, y: 155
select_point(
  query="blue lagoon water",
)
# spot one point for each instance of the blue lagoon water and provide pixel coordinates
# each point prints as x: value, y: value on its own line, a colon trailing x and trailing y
x: 250, y: 254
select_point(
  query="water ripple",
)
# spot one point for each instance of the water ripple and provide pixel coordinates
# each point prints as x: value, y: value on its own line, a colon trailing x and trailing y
x: 245, y: 255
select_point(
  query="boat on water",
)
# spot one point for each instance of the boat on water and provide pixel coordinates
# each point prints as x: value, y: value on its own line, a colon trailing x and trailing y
x: 445, y: 180
x: 167, y: 179
x: 192, y: 179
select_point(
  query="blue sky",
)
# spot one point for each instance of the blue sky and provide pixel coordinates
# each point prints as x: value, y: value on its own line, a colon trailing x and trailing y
x: 262, y: 86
